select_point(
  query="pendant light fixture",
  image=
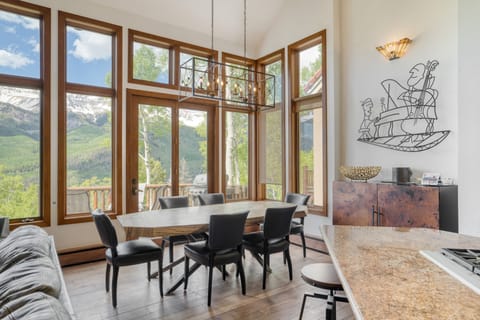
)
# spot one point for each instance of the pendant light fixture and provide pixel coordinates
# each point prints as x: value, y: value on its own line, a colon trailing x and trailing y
x: 233, y: 85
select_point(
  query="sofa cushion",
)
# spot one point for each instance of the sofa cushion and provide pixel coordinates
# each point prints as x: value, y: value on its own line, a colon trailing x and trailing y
x: 37, y: 305
x: 24, y: 243
x: 28, y: 276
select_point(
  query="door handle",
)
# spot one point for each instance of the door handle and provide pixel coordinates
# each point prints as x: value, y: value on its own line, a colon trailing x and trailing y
x: 134, y: 187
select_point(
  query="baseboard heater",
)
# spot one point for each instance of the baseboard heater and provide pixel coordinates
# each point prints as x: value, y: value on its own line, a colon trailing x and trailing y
x: 70, y: 257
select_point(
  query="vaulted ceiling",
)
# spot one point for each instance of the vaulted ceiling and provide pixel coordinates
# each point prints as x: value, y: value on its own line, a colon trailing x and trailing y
x: 196, y: 15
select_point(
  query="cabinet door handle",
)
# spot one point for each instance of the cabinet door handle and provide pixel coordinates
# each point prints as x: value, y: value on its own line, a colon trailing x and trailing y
x: 379, y: 213
x: 373, y: 215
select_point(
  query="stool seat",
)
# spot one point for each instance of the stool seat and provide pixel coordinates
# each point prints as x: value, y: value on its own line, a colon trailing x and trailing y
x: 322, y: 275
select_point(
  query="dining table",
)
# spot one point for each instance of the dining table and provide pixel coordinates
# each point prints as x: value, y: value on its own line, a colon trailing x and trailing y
x: 194, y: 220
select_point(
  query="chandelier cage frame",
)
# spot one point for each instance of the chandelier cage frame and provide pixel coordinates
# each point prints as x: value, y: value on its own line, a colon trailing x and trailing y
x: 238, y: 86
x: 243, y: 87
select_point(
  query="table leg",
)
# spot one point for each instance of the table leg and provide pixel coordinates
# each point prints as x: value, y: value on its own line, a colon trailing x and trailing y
x: 181, y: 280
x: 260, y: 260
x: 169, y: 266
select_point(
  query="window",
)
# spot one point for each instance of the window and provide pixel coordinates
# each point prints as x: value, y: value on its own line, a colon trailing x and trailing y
x: 25, y: 112
x: 236, y: 155
x: 237, y: 132
x: 149, y: 59
x: 308, y: 92
x: 89, y: 118
x: 270, y: 137
x: 155, y: 61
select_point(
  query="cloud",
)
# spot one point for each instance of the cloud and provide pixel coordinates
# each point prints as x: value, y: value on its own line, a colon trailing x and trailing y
x: 10, y: 30
x: 35, y: 45
x: 91, y: 46
x: 13, y: 60
x: 26, y: 22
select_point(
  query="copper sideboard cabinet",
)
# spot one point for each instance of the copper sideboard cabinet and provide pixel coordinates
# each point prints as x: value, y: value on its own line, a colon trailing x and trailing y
x: 394, y: 205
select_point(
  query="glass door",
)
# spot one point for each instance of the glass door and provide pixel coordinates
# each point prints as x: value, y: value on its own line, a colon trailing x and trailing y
x: 167, y: 151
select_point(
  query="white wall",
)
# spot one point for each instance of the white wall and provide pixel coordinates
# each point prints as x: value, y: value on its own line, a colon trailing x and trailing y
x: 469, y: 116
x: 432, y: 25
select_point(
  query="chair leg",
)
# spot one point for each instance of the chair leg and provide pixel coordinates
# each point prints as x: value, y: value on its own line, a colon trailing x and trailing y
x: 224, y: 272
x: 289, y: 262
x: 186, y: 264
x: 107, y: 278
x: 302, y: 236
x: 210, y: 275
x: 265, y: 267
x: 114, y: 286
x: 160, y: 275
x: 148, y: 271
x: 242, y: 276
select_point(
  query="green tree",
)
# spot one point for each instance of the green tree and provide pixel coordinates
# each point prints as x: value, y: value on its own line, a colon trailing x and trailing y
x: 148, y: 66
x: 307, y: 72
x: 16, y: 199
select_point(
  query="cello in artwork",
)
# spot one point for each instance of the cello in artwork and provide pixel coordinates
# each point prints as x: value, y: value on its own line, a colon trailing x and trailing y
x: 406, y: 122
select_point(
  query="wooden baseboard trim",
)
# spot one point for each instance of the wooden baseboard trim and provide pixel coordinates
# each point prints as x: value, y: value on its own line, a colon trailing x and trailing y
x: 312, y: 243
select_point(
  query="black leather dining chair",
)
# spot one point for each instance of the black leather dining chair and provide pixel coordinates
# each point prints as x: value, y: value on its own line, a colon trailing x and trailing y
x: 273, y: 238
x: 298, y: 226
x: 224, y: 246
x: 125, y: 253
x: 211, y: 198
x: 172, y: 203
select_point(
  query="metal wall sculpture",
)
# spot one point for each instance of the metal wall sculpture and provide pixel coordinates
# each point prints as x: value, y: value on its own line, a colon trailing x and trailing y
x: 408, y: 114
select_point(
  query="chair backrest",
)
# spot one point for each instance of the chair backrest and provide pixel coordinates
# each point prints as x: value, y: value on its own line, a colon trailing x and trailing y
x: 211, y: 198
x: 226, y: 230
x: 106, y: 230
x: 173, y: 202
x: 297, y: 198
x: 277, y: 222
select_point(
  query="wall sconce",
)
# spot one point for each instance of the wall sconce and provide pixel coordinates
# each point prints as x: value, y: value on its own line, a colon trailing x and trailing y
x: 394, y: 50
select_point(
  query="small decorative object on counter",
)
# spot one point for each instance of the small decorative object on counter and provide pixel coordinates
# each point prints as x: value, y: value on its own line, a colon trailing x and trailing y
x: 360, y: 173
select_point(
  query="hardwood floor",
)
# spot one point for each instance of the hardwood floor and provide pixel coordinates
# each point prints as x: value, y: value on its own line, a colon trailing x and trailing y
x: 140, y: 299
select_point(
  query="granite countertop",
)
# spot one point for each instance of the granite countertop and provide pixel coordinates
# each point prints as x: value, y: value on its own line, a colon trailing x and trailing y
x: 386, y: 277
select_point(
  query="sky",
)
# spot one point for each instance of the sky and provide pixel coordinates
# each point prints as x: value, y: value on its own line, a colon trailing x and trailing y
x: 89, y: 57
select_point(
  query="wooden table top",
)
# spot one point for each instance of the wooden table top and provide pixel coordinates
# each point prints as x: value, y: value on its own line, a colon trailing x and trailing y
x: 188, y: 220
x: 385, y: 276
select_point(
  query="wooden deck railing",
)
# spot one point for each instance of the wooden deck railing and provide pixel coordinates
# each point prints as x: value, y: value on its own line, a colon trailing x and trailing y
x: 100, y: 197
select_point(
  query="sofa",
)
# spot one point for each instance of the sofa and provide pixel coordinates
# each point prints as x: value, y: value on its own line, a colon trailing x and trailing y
x: 31, y: 280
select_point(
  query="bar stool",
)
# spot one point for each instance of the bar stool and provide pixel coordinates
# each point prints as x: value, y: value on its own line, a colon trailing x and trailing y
x: 324, y: 276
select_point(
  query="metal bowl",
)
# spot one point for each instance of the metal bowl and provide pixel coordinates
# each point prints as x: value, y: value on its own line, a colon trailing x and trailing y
x: 362, y: 173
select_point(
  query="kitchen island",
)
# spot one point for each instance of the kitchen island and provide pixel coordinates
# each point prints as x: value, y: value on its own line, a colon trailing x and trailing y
x: 385, y: 276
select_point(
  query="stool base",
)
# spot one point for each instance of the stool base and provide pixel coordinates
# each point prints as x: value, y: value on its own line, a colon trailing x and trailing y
x: 330, y: 311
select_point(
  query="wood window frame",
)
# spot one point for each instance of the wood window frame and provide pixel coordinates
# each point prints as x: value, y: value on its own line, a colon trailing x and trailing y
x: 115, y: 93
x: 43, y: 84
x: 294, y: 78
x: 261, y: 63
x: 175, y: 48
x: 134, y: 97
